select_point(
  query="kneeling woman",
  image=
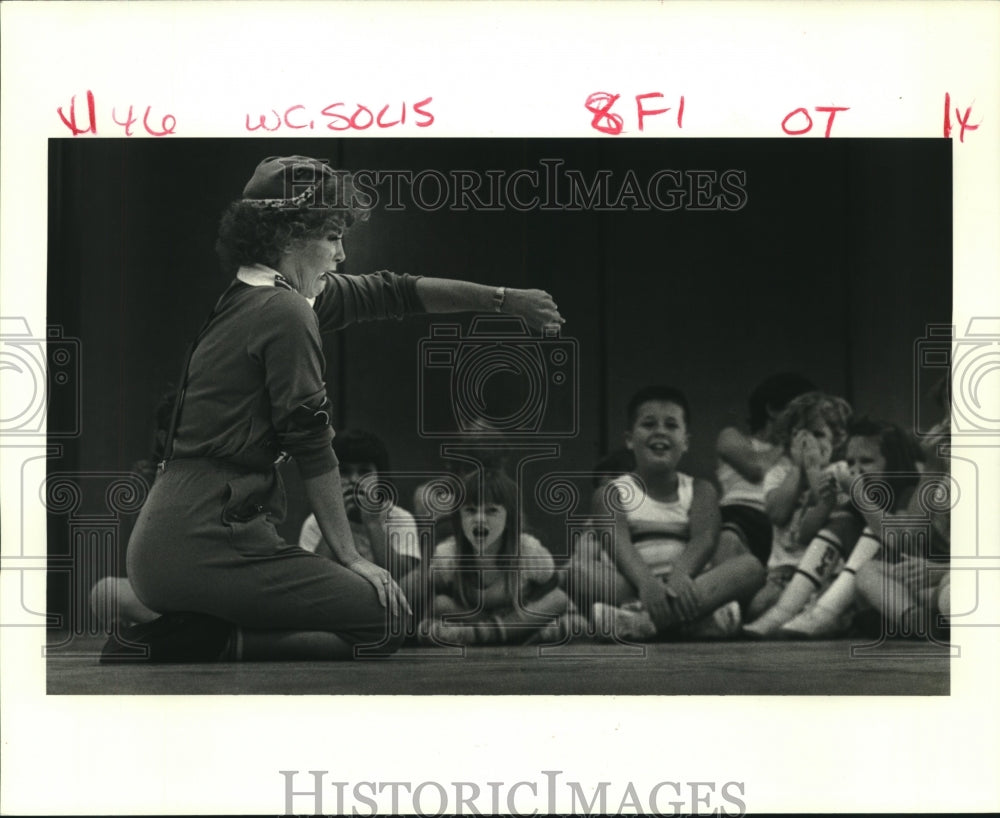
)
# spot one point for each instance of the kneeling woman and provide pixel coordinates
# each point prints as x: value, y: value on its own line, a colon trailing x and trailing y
x: 205, y: 542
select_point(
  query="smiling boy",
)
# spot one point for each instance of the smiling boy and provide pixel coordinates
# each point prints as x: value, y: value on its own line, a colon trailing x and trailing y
x: 669, y: 572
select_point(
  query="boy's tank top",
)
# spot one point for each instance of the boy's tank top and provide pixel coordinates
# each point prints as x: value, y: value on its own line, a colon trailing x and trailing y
x: 660, y: 531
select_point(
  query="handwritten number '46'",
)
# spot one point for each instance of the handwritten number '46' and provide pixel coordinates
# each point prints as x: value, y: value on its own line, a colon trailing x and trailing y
x: 166, y: 127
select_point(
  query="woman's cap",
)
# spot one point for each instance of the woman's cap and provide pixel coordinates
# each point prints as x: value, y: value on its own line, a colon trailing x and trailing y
x: 287, y: 181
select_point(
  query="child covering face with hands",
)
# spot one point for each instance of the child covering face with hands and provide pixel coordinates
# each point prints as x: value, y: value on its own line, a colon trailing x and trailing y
x: 814, y: 525
x: 384, y: 533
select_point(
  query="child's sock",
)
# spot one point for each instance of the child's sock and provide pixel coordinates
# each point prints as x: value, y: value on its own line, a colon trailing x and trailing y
x: 824, y: 617
x: 814, y: 565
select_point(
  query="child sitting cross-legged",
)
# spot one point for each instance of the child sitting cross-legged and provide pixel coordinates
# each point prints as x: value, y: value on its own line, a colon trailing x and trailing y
x: 493, y: 583
x: 669, y: 577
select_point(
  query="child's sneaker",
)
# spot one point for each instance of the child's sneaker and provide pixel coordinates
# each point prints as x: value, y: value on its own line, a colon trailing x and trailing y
x: 724, y: 623
x: 632, y: 622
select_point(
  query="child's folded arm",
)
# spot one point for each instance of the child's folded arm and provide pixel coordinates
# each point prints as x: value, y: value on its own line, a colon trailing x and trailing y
x: 734, y: 448
x: 814, y: 519
x: 783, y: 485
x: 705, y: 523
x: 634, y: 568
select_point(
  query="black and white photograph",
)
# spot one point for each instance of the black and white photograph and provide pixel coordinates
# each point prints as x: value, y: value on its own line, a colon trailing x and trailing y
x: 610, y: 418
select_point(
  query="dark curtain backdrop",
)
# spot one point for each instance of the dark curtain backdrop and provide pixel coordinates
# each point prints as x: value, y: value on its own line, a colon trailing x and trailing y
x: 833, y: 268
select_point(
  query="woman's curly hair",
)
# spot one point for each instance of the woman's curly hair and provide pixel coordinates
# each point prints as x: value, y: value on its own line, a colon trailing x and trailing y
x: 252, y: 234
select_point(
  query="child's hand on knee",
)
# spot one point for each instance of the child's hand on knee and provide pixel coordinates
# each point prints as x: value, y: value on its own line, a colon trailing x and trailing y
x: 653, y: 595
x: 683, y: 595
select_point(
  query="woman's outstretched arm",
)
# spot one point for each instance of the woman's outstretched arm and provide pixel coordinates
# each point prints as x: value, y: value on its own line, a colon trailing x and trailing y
x: 444, y: 295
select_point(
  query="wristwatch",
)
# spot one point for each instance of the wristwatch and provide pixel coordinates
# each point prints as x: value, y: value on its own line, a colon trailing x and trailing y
x: 499, y: 296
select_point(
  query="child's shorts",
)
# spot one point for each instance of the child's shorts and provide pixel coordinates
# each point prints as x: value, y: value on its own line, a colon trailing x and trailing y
x: 752, y: 526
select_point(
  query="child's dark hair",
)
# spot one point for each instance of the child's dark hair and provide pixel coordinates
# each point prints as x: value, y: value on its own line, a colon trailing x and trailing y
x: 898, y: 446
x: 489, y: 459
x: 614, y: 464
x: 669, y: 394
x: 773, y: 394
x: 484, y: 488
x: 359, y: 446
x: 901, y: 452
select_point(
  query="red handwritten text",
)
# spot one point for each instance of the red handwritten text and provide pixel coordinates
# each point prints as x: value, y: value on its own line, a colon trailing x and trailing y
x: 963, y: 121
x: 167, y: 124
x: 803, y: 122
x: 340, y: 116
x: 600, y: 104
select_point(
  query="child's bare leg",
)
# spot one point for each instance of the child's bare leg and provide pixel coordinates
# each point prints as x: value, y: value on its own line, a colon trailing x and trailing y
x: 735, y: 579
x: 764, y: 599
x: 890, y: 598
x: 737, y: 574
x: 546, y: 616
x: 598, y: 580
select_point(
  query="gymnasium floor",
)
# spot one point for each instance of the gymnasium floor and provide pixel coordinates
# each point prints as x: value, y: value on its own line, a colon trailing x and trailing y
x: 897, y: 667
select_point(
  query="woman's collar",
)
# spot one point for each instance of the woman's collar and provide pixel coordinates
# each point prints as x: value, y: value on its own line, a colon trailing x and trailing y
x: 260, y: 275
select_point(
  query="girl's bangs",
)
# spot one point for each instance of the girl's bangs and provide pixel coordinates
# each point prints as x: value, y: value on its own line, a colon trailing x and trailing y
x: 486, y: 489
